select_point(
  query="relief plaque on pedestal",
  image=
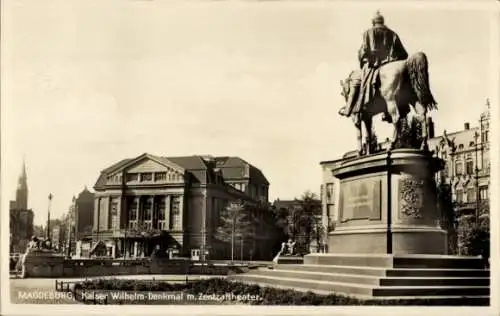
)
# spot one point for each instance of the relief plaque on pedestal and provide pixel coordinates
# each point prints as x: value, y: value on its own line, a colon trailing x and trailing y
x: 360, y: 199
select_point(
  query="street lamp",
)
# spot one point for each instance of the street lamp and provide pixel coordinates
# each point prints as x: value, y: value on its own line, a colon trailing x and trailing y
x: 476, y: 136
x: 48, y: 216
x: 70, y: 223
x: 235, y: 208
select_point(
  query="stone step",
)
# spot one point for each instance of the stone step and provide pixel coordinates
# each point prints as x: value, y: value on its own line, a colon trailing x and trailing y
x: 431, y: 291
x: 435, y: 262
x: 364, y: 290
x: 320, y: 276
x: 376, y: 280
x: 365, y: 260
x: 333, y: 269
x: 395, y: 261
x: 436, y: 300
x: 435, y: 281
x: 290, y: 260
x: 313, y: 285
x: 438, y: 273
x: 377, y: 271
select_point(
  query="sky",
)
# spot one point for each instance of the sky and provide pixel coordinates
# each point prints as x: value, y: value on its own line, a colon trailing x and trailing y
x: 87, y: 83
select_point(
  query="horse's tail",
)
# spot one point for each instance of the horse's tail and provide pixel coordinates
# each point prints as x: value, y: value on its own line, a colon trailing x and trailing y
x: 417, y: 66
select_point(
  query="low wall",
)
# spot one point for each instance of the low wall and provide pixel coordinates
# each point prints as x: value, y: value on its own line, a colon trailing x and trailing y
x: 60, y: 267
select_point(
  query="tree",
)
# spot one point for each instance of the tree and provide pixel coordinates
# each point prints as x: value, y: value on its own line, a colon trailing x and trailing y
x: 448, y: 215
x: 304, y: 220
x: 235, y: 221
x: 474, y: 234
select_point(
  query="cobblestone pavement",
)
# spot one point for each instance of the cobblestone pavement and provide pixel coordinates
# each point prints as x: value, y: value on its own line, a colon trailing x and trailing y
x: 42, y: 291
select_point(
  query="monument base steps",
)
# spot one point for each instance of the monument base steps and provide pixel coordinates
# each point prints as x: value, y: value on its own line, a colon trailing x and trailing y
x: 445, y: 279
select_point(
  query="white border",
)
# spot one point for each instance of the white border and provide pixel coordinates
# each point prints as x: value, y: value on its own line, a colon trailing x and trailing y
x: 12, y: 309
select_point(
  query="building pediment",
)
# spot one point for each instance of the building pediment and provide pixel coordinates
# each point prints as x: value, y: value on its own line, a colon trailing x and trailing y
x: 147, y: 169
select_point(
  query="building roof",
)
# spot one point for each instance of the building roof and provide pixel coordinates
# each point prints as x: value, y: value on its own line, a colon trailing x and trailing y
x: 464, y: 139
x: 202, y: 168
x: 235, y: 168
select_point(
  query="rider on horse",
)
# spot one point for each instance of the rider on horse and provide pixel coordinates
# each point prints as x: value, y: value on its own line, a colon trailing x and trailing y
x: 380, y: 46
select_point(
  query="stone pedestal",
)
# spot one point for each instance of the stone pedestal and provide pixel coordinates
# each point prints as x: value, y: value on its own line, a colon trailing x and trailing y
x: 382, y: 191
x: 42, y: 264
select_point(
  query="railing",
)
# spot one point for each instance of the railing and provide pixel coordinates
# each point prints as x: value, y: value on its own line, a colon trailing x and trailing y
x: 100, y: 296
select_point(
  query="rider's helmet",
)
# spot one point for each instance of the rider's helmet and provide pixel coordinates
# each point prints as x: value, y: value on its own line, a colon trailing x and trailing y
x: 378, y: 19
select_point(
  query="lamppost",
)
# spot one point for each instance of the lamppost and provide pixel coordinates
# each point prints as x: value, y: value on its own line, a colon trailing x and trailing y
x: 476, y: 136
x: 48, y: 216
x: 235, y: 208
x: 70, y: 224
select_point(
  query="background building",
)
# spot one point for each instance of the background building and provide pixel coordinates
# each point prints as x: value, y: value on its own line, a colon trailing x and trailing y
x: 21, y: 218
x: 297, y: 213
x: 84, y: 215
x: 172, y: 202
x: 467, y: 164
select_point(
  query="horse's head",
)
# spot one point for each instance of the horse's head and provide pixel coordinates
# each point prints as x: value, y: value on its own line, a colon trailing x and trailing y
x: 346, y: 86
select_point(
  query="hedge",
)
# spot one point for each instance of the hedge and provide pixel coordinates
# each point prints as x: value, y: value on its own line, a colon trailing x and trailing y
x: 268, y: 295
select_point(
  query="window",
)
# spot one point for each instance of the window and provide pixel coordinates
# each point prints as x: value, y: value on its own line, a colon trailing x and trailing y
x: 175, y: 222
x: 330, y: 213
x: 103, y: 216
x: 147, y: 177
x: 471, y: 195
x: 471, y: 144
x: 459, y: 168
x: 469, y: 167
x: 486, y: 134
x: 131, y: 177
x: 115, y: 219
x: 459, y: 196
x: 161, y: 214
x: 461, y: 146
x: 133, y: 209
x: 148, y: 213
x: 446, y: 170
x: 160, y: 176
x: 483, y: 192
x: 329, y: 192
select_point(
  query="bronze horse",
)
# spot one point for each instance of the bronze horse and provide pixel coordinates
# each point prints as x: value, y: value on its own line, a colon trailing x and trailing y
x: 402, y: 84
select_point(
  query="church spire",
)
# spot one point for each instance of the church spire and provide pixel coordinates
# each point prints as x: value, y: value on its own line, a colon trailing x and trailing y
x: 22, y: 189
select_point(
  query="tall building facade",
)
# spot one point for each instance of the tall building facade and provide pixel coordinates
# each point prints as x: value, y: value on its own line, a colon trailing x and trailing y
x: 84, y: 214
x: 466, y: 154
x: 21, y: 218
x: 467, y: 164
x: 171, y: 202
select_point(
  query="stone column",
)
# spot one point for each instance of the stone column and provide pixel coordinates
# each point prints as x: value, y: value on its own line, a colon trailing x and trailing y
x: 113, y: 250
x: 181, y: 211
x: 136, y: 248
x: 154, y: 218
x: 167, y: 211
x: 140, y: 210
x: 108, y: 212
x: 96, y: 214
x: 78, y: 250
x: 151, y: 198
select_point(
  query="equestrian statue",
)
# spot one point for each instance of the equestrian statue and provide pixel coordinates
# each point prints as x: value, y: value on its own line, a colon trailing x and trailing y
x: 388, y: 82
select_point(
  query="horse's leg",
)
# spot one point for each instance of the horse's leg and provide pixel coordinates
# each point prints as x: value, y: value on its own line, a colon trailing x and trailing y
x: 367, y: 119
x: 422, y: 113
x: 357, y: 124
x: 392, y: 109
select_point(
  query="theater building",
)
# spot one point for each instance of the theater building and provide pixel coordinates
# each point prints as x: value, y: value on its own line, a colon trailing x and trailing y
x: 172, y: 202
